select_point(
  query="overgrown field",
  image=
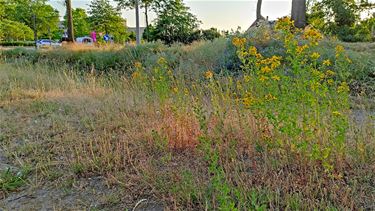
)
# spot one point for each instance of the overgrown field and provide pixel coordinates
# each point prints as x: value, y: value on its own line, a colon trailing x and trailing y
x: 186, y: 130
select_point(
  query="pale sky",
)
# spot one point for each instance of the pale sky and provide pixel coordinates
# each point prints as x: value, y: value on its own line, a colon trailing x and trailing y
x: 221, y: 14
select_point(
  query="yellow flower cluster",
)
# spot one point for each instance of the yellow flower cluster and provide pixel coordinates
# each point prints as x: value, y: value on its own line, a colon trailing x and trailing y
x: 247, y: 78
x: 265, y: 70
x: 209, y: 74
x: 339, y: 50
x: 162, y: 61
x: 315, y: 56
x: 270, y: 97
x: 138, y: 65
x: 285, y: 23
x: 248, y: 100
x: 239, y: 42
x: 267, y: 67
x: 276, y: 78
x: 330, y: 73
x: 344, y: 87
x: 318, y: 74
x: 273, y: 62
x: 136, y: 75
x: 313, y: 35
x: 302, y: 48
x: 336, y: 113
x: 254, y: 52
x: 327, y: 62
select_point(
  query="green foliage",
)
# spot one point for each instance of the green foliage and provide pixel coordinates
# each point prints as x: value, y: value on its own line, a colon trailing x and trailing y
x: 13, y: 30
x: 105, y: 18
x: 341, y: 18
x: 2, y: 17
x: 130, y: 3
x: 210, y: 34
x: 80, y: 21
x: 303, y: 82
x: 10, y: 181
x: 46, y: 17
x: 174, y: 23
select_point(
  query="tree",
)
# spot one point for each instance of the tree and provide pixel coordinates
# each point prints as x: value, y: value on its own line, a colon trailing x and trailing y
x: 15, y: 31
x: 259, y: 10
x: 81, y: 23
x: 69, y: 15
x: 107, y: 19
x: 2, y: 17
x: 299, y: 13
x: 259, y: 17
x: 174, y: 22
x: 210, y: 34
x: 338, y: 17
x: 28, y: 12
x: 146, y: 4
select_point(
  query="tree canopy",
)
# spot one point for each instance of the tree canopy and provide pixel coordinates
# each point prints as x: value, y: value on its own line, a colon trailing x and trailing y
x: 106, y: 18
x: 175, y: 23
x: 80, y: 21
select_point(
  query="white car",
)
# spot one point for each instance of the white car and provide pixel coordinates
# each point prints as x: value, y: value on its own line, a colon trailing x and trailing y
x: 47, y: 43
x: 85, y: 40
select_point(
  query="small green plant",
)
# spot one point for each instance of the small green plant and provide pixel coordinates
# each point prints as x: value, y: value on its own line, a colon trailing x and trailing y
x: 11, y: 181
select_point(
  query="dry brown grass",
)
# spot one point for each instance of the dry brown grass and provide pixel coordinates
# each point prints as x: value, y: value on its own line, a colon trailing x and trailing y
x: 92, y: 129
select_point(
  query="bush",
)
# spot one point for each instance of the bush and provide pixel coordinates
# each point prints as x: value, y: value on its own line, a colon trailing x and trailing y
x: 17, y: 43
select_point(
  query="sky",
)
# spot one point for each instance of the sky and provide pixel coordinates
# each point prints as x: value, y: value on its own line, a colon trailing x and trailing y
x: 221, y: 14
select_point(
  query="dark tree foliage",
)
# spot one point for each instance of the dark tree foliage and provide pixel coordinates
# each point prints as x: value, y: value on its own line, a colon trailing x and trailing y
x: 174, y: 23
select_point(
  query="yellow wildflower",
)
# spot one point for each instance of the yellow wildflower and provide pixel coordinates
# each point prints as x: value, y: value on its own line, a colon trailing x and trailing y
x: 339, y: 50
x: 270, y: 97
x: 266, y: 69
x: 138, y: 65
x: 327, y: 62
x: 348, y: 60
x: 248, y: 100
x: 330, y: 82
x: 253, y: 51
x: 315, y: 55
x: 344, y: 87
x: 247, y: 78
x: 239, y: 42
x: 162, y: 61
x: 263, y: 78
x: 285, y: 23
x: 315, y: 86
x: 302, y: 48
x: 175, y: 89
x: 336, y: 113
x: 209, y: 74
x: 136, y: 75
x: 259, y: 56
x: 186, y: 92
x: 313, y: 35
x: 276, y: 78
x: 330, y: 73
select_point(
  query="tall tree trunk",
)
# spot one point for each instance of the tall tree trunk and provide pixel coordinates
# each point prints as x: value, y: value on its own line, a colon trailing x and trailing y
x: 147, y: 24
x: 35, y: 31
x: 138, y: 29
x: 299, y: 13
x: 259, y: 10
x: 69, y: 14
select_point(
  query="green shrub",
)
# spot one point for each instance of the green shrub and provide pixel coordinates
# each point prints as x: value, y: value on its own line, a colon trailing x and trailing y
x: 17, y: 43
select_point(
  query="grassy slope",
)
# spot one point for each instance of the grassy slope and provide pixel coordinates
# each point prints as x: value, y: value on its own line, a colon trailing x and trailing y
x: 92, y: 142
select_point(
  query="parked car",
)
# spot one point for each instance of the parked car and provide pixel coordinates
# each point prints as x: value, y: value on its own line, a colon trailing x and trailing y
x: 47, y: 43
x: 85, y: 40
